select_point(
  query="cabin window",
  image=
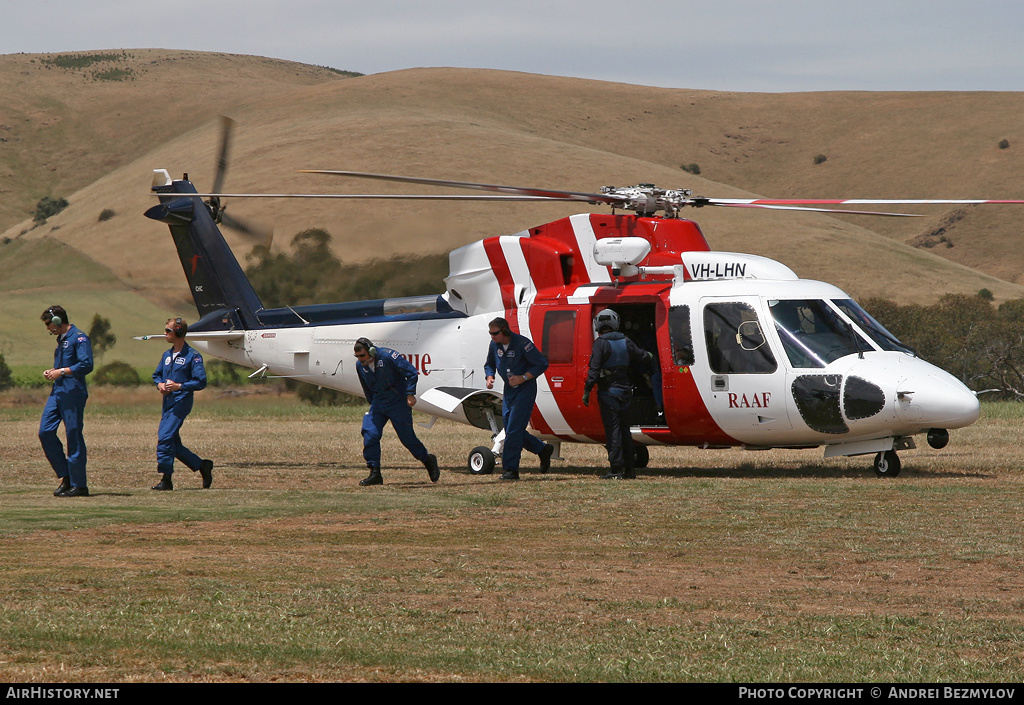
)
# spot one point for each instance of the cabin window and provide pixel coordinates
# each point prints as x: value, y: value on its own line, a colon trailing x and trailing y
x: 735, y: 340
x: 813, y: 334
x: 679, y: 334
x: 883, y: 338
x: 559, y: 332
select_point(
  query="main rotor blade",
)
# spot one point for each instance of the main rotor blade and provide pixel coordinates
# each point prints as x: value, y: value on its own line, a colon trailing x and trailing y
x: 814, y: 210
x: 397, y: 196
x: 541, y: 194
x: 856, y: 201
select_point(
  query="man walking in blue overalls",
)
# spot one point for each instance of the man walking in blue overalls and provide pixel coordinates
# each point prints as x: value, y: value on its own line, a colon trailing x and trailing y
x: 179, y: 373
x: 389, y: 383
x: 72, y: 361
x: 519, y: 362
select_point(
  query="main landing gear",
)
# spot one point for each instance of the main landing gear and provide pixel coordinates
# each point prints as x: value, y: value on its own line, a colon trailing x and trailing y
x: 481, y: 461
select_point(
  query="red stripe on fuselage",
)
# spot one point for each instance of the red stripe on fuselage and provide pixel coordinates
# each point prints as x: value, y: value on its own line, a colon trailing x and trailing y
x: 502, y: 272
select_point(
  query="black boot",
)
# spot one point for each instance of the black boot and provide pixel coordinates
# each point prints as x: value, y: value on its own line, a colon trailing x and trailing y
x: 430, y: 463
x: 545, y: 457
x: 374, y: 478
x: 206, y: 470
x: 615, y: 474
x: 164, y: 484
x: 65, y: 485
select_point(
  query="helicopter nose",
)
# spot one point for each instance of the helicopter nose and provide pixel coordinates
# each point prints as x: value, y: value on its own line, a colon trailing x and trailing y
x: 937, y: 401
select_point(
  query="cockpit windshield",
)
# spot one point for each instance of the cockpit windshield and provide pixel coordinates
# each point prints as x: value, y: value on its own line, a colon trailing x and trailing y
x: 813, y: 334
x: 883, y: 338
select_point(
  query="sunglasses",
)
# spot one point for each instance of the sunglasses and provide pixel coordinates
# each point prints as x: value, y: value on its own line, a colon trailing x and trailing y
x: 494, y: 332
x: 168, y: 330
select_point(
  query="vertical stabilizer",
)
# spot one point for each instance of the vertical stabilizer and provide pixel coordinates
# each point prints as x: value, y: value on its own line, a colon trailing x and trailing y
x: 223, y: 295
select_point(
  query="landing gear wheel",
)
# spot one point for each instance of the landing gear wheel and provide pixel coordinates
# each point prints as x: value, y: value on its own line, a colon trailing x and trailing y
x: 887, y: 464
x: 481, y: 461
x: 641, y: 456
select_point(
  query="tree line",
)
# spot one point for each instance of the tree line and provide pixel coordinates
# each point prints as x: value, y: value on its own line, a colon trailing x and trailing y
x: 969, y: 336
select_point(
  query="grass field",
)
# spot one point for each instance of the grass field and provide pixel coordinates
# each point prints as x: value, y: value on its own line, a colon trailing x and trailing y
x: 714, y: 566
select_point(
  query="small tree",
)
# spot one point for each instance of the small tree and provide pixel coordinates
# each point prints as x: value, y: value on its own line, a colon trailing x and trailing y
x: 101, y: 336
x: 48, y: 206
x: 6, y: 378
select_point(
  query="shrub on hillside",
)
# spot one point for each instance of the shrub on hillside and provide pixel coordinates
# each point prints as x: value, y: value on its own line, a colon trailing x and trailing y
x: 117, y: 374
x: 48, y: 206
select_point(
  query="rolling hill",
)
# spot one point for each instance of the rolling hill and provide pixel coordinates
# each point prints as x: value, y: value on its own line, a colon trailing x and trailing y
x: 92, y: 132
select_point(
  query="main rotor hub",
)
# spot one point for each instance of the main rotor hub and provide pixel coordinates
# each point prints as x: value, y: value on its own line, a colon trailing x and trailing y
x: 648, y: 199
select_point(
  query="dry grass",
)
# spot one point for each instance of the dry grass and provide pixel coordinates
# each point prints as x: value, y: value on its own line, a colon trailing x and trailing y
x: 715, y: 566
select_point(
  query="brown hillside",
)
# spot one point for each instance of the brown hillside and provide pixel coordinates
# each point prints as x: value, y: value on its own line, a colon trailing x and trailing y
x: 530, y: 130
x: 63, y: 126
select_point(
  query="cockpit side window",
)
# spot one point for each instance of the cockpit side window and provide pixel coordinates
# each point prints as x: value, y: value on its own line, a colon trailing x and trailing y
x: 812, y: 333
x: 875, y: 330
x: 735, y: 340
x: 679, y: 334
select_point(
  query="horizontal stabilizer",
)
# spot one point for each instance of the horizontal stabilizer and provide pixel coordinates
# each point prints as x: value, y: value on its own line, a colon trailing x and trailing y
x: 477, y: 407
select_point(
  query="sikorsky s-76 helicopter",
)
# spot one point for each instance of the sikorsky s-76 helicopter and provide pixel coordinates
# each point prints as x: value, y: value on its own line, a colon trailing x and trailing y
x: 746, y: 353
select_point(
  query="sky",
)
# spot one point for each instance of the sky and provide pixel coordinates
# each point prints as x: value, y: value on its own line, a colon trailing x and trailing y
x: 725, y: 45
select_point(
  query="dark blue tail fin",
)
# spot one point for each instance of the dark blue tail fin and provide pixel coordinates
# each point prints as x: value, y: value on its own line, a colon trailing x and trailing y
x: 224, y: 298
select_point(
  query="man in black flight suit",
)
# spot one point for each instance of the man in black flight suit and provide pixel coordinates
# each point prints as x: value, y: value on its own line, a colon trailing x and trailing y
x: 610, y: 362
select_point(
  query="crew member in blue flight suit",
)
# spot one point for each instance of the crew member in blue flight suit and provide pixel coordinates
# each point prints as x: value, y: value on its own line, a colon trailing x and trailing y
x: 389, y: 383
x: 610, y: 360
x: 72, y: 361
x: 178, y: 375
x: 519, y: 362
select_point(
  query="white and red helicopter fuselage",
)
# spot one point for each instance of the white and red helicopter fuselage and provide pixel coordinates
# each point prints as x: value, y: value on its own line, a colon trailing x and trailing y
x: 747, y: 354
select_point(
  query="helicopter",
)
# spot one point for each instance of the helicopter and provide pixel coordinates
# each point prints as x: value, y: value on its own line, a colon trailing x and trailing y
x: 746, y: 353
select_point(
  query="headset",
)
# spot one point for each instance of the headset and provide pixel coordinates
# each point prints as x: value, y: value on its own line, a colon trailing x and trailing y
x: 180, y: 328
x: 55, y: 320
x: 503, y: 324
x: 366, y: 345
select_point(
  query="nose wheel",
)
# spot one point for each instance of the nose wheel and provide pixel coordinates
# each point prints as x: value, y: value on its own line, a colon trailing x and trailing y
x: 887, y: 464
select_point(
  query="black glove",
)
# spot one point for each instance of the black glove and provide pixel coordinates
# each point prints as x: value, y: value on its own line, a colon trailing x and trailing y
x: 586, y: 398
